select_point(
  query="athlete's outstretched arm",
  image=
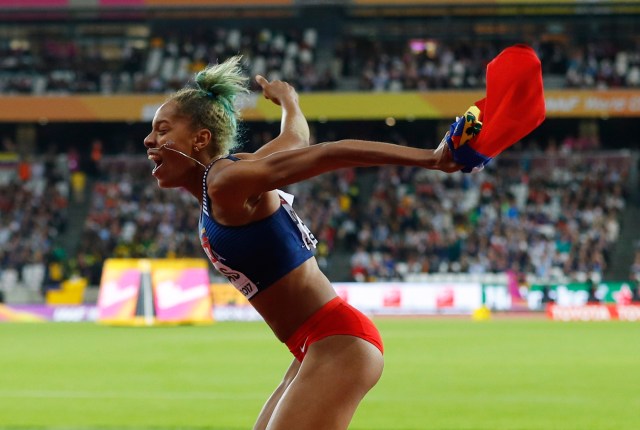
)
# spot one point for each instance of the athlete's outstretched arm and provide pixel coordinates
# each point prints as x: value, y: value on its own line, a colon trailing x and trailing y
x: 250, y: 178
x: 294, y: 130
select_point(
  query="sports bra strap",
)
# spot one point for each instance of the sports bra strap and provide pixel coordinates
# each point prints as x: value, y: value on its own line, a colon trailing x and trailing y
x: 205, y: 195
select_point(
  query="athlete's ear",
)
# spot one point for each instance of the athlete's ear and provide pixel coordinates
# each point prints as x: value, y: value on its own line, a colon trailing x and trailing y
x: 202, y: 139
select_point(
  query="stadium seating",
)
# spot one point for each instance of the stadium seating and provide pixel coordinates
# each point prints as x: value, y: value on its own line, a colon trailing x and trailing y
x: 542, y: 220
x: 156, y: 60
x: 32, y: 220
x: 553, y: 218
x: 162, y: 61
x: 524, y: 213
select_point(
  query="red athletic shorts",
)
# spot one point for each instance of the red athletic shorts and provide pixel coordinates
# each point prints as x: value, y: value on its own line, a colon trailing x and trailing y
x: 336, y: 317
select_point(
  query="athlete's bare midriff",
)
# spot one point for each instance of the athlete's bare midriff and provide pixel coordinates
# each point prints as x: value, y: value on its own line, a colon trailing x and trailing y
x: 289, y: 302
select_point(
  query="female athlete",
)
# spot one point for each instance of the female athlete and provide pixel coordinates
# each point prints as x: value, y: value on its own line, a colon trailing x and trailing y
x: 252, y: 236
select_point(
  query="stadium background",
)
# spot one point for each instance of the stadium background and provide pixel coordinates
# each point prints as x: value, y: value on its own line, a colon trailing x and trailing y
x: 552, y: 219
x: 81, y: 81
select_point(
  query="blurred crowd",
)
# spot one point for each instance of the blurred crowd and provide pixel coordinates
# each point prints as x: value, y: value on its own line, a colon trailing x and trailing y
x: 33, y: 217
x: 545, y: 216
x: 528, y: 215
x: 164, y: 60
x: 130, y: 217
x: 423, y: 64
x: 157, y: 63
x: 550, y: 214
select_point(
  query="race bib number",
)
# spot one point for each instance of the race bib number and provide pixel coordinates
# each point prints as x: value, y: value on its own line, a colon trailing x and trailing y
x: 237, y: 279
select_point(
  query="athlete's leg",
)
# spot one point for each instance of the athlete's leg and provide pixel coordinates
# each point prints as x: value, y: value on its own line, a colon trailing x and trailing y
x: 267, y: 409
x: 334, y: 377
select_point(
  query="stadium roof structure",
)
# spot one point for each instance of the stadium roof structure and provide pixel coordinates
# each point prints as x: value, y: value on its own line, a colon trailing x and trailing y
x: 176, y: 9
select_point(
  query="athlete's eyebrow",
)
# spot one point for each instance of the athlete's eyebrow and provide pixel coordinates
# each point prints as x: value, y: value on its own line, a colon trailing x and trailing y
x: 157, y: 124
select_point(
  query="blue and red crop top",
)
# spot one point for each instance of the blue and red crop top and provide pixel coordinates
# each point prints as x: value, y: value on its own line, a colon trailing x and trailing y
x: 254, y: 256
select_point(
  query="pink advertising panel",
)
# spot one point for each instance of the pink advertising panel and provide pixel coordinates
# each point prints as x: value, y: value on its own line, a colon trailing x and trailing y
x: 152, y: 291
x: 182, y: 293
x: 119, y: 290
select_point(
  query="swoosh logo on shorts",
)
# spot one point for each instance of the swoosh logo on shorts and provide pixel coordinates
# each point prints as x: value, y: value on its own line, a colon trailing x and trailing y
x: 304, y: 345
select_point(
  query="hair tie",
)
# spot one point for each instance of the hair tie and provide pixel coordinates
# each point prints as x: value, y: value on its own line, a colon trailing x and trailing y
x: 209, y: 94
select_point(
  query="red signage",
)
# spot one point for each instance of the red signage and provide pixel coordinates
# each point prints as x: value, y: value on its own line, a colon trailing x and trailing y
x: 594, y: 312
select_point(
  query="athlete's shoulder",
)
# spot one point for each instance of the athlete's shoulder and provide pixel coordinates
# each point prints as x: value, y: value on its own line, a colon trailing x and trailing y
x: 244, y: 156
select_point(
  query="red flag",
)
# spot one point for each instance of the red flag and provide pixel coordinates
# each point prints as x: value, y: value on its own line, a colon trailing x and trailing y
x: 514, y: 105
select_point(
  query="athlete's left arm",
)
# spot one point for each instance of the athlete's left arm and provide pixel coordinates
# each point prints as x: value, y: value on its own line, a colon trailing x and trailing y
x: 294, y: 130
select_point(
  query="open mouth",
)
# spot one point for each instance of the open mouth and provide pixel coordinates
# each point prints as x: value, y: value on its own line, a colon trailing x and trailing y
x: 157, y: 160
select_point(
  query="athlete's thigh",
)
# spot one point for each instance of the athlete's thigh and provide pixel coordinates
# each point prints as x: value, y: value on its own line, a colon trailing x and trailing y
x: 334, y: 376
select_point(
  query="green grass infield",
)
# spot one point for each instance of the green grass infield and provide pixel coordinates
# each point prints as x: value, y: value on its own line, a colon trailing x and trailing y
x: 444, y: 374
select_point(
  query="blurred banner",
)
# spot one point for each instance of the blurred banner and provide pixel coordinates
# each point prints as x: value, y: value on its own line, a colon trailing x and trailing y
x: 147, y: 292
x: 482, y: 2
x: 317, y: 106
x: 594, y: 312
x: 376, y: 298
x: 119, y: 289
x: 59, y: 4
x: 26, y: 4
x: 140, y: 292
x: 396, y: 298
x: 228, y: 3
x: 47, y: 4
x: 47, y: 313
x: 578, y: 294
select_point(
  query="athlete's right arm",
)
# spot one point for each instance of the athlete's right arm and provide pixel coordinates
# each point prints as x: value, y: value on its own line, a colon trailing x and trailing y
x: 245, y: 180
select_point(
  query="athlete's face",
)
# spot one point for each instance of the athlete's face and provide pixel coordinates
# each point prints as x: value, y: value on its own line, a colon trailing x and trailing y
x: 170, y: 130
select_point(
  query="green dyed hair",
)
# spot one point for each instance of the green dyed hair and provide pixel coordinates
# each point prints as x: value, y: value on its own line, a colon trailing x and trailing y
x: 210, y: 104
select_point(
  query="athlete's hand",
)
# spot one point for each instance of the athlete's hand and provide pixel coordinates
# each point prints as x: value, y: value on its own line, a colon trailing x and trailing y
x: 278, y: 92
x: 444, y: 159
